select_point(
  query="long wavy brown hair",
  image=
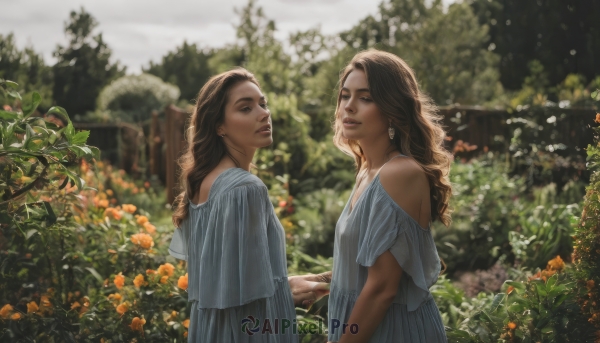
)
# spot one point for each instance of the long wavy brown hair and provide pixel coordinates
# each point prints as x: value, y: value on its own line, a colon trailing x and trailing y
x: 413, y: 115
x: 205, y: 148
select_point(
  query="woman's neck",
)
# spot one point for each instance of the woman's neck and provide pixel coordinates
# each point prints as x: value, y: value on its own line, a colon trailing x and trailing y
x: 242, y: 157
x: 377, y: 152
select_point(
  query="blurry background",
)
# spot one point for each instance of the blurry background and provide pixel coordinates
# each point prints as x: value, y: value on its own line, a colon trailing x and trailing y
x: 516, y: 81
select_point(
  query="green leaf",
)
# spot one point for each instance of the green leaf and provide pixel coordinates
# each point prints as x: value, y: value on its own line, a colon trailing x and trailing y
x: 11, y: 84
x: 95, y: 273
x: 9, y: 115
x: 30, y: 233
x: 50, y: 215
x: 496, y: 303
x: 14, y: 94
x: 80, y: 138
x: 30, y: 107
x: 60, y: 112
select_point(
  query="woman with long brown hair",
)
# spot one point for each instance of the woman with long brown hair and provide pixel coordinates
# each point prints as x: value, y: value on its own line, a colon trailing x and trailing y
x: 227, y: 230
x: 385, y: 258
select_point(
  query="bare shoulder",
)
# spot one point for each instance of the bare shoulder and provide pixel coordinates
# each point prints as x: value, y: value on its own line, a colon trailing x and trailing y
x: 406, y: 183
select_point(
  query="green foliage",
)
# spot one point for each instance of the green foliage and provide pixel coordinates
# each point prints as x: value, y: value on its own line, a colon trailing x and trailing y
x: 587, y: 238
x: 26, y: 68
x: 187, y: 67
x: 132, y: 98
x: 83, y: 68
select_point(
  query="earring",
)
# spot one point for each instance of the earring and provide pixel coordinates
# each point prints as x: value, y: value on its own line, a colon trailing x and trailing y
x: 391, y: 131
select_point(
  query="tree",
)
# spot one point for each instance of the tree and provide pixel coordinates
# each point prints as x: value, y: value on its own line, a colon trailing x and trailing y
x: 25, y: 67
x: 563, y: 35
x: 187, y: 67
x: 83, y: 68
x: 446, y: 50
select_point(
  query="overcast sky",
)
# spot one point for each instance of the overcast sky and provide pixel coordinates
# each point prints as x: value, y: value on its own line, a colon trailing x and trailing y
x: 139, y: 31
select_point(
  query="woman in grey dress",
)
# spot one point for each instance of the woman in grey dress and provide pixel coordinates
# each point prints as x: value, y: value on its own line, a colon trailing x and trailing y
x: 385, y: 258
x: 227, y: 230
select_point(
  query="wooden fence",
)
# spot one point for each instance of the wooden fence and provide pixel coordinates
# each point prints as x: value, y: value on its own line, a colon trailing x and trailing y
x: 161, y: 142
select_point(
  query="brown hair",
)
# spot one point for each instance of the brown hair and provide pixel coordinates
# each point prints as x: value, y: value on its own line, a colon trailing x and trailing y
x: 205, y: 148
x: 413, y: 115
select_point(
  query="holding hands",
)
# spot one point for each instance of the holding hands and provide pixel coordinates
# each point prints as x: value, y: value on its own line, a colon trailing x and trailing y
x: 307, y: 289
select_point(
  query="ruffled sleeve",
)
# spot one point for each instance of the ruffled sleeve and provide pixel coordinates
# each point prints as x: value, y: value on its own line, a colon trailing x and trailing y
x: 229, y: 264
x: 388, y: 227
x: 178, y: 246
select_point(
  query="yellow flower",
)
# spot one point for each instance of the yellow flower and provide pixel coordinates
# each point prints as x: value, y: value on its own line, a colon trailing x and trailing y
x: 15, y: 316
x: 164, y: 279
x: 137, y: 324
x: 5, y: 311
x: 183, y: 282
x: 142, y: 239
x: 186, y: 323
x: 138, y: 281
x: 512, y: 325
x: 119, y: 281
x: 129, y: 208
x: 142, y: 220
x: 121, y: 309
x: 166, y: 269
x: 149, y: 227
x: 32, y: 307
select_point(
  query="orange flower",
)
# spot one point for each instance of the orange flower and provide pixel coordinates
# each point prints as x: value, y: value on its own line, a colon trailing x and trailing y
x: 149, y: 227
x: 142, y: 239
x: 590, y: 284
x: 150, y: 272
x: 119, y: 281
x: 185, y: 334
x: 75, y: 305
x: 44, y: 301
x: 183, y: 282
x: 164, y: 279
x: 109, y: 192
x: 512, y: 325
x: 113, y: 212
x: 129, y: 208
x: 137, y: 324
x: 597, y: 118
x: 5, y: 311
x: 139, y: 281
x: 186, y: 323
x: 116, y: 298
x: 121, y: 309
x: 15, y: 316
x: 112, y: 251
x: 166, y: 269
x: 142, y: 220
x: 103, y: 203
x: 556, y: 264
x: 32, y: 307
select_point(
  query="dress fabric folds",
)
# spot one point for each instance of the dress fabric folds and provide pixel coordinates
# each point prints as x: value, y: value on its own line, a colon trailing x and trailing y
x: 234, y: 246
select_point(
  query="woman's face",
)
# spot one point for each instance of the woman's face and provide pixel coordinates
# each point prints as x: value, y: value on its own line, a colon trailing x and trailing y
x: 358, y: 114
x: 247, y: 122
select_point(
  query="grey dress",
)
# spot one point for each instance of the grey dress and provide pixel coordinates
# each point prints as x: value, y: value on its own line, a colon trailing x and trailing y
x: 375, y: 225
x: 234, y: 246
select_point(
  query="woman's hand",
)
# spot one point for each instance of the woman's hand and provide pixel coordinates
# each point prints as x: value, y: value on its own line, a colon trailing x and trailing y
x: 306, y: 289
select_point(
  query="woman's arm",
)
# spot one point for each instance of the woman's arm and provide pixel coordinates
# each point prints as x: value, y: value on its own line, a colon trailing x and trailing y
x: 374, y: 299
